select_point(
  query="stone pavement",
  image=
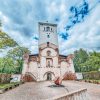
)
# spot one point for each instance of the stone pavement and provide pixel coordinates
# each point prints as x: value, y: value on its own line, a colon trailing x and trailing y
x: 93, y: 90
x: 44, y: 90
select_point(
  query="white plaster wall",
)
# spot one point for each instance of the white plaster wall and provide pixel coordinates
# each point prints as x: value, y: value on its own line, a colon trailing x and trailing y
x: 25, y: 68
x: 64, y: 67
x: 42, y: 62
x: 44, y: 52
x: 43, y: 35
x: 71, y: 68
x: 55, y: 61
x: 33, y: 68
x: 42, y: 72
x: 53, y: 56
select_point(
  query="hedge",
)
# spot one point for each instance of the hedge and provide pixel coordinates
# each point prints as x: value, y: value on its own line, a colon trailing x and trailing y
x: 5, y: 78
x: 92, y: 75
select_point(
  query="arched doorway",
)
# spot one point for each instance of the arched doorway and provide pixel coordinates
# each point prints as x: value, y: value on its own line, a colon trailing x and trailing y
x: 49, y: 76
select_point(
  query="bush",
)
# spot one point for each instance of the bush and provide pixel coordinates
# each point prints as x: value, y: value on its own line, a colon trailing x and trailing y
x: 92, y: 75
x: 5, y: 78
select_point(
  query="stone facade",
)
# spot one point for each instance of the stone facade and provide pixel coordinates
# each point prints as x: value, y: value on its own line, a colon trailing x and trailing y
x: 48, y: 64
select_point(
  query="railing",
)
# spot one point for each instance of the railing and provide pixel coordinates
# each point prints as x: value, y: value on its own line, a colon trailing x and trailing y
x: 75, y: 95
x: 33, y: 76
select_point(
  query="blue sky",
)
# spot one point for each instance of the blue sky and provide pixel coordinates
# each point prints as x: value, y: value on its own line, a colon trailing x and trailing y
x: 78, y: 22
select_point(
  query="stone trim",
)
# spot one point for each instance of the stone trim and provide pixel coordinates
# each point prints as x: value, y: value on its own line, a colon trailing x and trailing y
x: 76, y: 95
x: 44, y: 45
x: 46, y: 23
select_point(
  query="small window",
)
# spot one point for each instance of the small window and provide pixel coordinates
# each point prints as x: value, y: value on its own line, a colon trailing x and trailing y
x: 48, y: 36
x: 48, y: 63
x: 48, y: 53
x: 47, y: 28
x: 44, y: 28
x: 47, y: 44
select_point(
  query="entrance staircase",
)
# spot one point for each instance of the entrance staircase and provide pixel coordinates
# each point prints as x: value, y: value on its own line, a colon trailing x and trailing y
x: 29, y: 77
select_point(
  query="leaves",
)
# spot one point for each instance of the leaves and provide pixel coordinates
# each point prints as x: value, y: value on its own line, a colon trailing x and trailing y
x: 17, y: 55
x: 85, y: 62
x: 6, y: 41
x: 13, y: 62
x: 7, y: 65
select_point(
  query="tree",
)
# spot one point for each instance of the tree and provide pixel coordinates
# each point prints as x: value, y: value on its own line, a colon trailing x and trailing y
x: 93, y: 63
x: 80, y: 56
x: 85, y: 62
x: 5, y: 40
x: 17, y: 55
x: 7, y: 65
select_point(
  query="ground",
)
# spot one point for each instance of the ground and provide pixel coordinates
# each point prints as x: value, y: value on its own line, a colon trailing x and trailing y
x: 42, y: 91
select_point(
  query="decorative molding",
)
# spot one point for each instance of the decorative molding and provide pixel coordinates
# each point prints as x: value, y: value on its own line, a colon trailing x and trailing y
x: 51, y: 45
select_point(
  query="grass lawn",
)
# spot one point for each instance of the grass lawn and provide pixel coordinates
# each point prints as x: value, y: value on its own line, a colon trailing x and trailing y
x: 7, y: 85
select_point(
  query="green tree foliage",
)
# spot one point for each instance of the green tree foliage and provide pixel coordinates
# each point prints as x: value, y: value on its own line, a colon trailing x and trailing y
x: 80, y: 56
x: 5, y: 40
x: 13, y: 62
x: 7, y: 65
x: 17, y: 55
x: 85, y: 62
x: 93, y: 63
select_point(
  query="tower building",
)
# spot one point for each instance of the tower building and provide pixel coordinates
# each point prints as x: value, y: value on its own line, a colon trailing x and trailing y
x: 48, y: 63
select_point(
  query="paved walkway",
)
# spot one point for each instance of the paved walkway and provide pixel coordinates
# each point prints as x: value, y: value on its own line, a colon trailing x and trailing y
x: 41, y: 91
x: 92, y: 89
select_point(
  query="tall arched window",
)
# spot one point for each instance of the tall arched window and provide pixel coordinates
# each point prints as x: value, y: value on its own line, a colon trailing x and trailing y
x: 51, y: 29
x: 44, y: 28
x: 48, y: 63
x: 47, y: 28
x: 48, y: 53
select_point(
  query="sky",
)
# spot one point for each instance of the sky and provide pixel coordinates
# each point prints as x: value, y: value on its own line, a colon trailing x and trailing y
x: 78, y: 22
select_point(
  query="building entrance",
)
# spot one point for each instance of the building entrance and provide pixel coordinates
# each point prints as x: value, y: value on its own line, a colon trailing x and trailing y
x: 49, y: 76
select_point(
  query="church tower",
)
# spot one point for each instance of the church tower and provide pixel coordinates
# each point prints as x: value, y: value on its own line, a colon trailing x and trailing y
x: 48, y: 63
x: 48, y: 33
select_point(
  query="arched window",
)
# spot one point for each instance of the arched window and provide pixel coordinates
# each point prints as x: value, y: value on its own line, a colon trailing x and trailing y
x: 47, y: 28
x: 48, y: 63
x: 48, y: 53
x: 51, y: 29
x: 44, y: 28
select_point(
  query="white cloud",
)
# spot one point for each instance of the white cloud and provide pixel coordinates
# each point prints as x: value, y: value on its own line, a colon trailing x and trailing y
x: 21, y: 23
x: 84, y: 35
